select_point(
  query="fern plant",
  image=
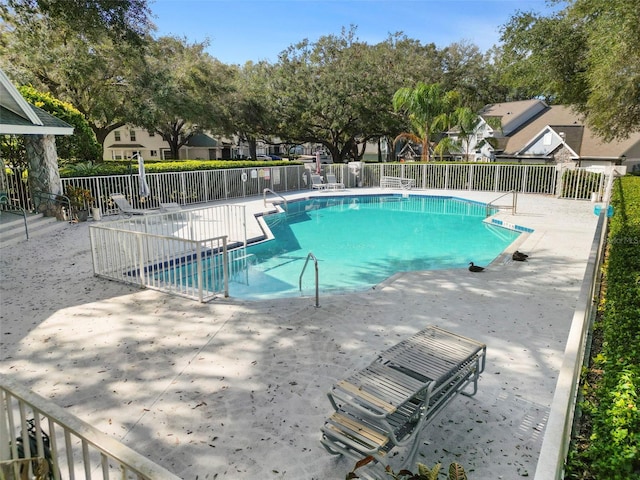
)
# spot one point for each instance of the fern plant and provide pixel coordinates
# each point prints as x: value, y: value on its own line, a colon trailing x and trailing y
x: 456, y: 471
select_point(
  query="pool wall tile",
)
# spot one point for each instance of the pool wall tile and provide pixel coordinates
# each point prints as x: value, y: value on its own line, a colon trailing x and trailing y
x: 511, y: 226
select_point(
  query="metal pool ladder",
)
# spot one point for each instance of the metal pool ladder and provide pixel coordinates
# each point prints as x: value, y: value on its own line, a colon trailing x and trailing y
x: 315, y: 261
x: 264, y: 197
x: 513, y: 206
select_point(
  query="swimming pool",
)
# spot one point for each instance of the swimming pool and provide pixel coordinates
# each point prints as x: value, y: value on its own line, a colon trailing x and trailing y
x: 360, y: 241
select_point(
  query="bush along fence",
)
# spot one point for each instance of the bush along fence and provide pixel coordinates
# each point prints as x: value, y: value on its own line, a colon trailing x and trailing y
x: 198, y: 186
x: 608, y: 445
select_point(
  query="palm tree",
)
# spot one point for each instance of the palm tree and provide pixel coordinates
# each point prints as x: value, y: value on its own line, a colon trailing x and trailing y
x: 447, y: 145
x: 422, y: 105
x: 468, y: 123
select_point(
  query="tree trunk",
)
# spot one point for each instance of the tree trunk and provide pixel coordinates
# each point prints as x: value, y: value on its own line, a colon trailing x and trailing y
x: 101, y: 135
x: 44, y: 176
x: 253, y: 147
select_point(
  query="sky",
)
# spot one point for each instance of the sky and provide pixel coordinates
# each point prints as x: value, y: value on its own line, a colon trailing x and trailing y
x: 252, y: 30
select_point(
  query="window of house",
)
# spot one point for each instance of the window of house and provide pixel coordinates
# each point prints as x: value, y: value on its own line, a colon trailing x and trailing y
x: 132, y: 135
x: 153, y: 153
x: 116, y: 135
x: 479, y: 137
x: 152, y: 133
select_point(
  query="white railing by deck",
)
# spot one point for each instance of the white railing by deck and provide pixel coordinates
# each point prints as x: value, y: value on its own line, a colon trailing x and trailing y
x: 193, y: 187
x: 197, y: 187
x: 187, y: 188
x: 185, y: 253
x: 75, y: 449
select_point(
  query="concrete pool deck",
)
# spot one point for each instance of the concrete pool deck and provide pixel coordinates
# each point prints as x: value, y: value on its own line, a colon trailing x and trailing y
x: 237, y: 389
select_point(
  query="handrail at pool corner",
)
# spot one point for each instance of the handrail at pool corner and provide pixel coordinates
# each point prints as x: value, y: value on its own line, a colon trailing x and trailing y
x: 514, y: 202
x: 315, y: 261
x: 264, y: 197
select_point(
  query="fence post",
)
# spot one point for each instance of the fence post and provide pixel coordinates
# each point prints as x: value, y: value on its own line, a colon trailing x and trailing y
x: 523, y: 182
x: 225, y: 266
x: 200, y: 271
x: 5, y: 453
x: 446, y: 176
x: 141, y: 275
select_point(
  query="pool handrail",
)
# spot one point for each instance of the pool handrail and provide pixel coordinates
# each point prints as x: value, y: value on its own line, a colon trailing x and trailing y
x: 513, y: 206
x: 315, y: 261
x: 264, y: 197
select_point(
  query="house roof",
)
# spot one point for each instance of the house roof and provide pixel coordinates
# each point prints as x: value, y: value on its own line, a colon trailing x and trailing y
x: 578, y: 136
x: 507, y: 108
x: 18, y: 117
x: 202, y: 140
x: 513, y: 114
x: 126, y: 145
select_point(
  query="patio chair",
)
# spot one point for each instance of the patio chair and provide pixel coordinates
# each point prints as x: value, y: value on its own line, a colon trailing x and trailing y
x: 316, y: 182
x: 126, y: 208
x: 332, y: 183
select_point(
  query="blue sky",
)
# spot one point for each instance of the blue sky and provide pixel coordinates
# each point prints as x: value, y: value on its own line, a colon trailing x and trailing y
x: 243, y: 30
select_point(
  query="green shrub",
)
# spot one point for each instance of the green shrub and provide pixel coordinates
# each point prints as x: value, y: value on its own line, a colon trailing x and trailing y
x: 614, y: 448
x: 125, y: 167
x: 82, y: 145
x: 575, y: 184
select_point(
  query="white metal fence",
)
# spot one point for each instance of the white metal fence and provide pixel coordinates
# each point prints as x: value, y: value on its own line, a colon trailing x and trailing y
x: 185, y: 253
x: 193, y: 187
x: 471, y: 176
x: 60, y: 445
x: 201, y: 186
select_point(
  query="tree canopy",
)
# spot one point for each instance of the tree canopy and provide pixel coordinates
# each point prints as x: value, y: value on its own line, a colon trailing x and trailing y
x: 337, y: 92
x: 183, y: 92
x: 97, y: 76
x: 121, y: 19
x: 587, y: 55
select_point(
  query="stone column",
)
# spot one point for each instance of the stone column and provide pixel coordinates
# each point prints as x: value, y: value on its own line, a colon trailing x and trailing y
x: 43, y: 172
x: 4, y: 183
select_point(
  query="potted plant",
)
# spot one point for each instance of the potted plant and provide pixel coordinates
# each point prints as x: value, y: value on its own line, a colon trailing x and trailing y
x: 80, y: 200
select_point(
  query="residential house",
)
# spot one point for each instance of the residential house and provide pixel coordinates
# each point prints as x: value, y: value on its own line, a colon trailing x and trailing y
x: 127, y: 141
x: 534, y: 132
x: 559, y: 135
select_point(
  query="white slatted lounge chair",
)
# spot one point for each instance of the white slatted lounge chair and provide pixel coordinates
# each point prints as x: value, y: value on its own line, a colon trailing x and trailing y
x: 126, y: 208
x: 332, y: 183
x: 316, y: 182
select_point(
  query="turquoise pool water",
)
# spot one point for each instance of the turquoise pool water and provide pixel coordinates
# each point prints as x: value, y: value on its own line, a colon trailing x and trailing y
x: 361, y: 241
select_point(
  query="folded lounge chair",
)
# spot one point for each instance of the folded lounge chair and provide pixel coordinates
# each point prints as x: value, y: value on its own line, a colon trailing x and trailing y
x: 126, y: 208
